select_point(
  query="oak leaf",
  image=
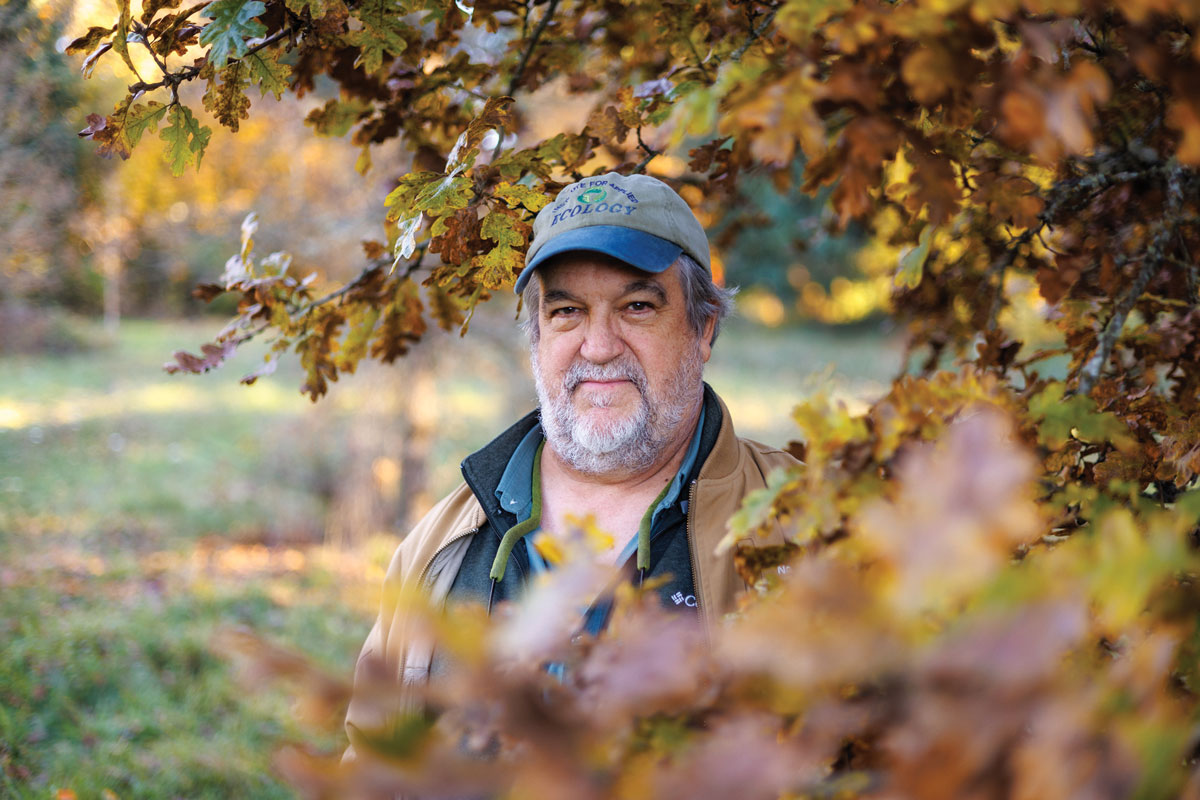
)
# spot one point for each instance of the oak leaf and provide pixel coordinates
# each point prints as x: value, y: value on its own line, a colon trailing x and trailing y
x: 213, y: 355
x: 185, y: 139
x: 226, y: 100
x: 266, y: 70
x: 90, y: 40
x: 383, y: 33
x: 499, y: 266
x: 233, y: 22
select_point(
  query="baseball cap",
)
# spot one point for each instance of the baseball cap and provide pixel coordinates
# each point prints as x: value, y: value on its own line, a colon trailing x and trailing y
x: 634, y: 218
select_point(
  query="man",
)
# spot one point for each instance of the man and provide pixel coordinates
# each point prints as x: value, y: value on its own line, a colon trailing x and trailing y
x: 623, y: 313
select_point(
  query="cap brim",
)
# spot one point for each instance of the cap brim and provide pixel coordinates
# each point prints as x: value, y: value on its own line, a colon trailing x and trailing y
x: 638, y: 249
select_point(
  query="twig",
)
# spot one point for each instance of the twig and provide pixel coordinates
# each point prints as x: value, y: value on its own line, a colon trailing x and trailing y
x: 1191, y: 270
x: 1040, y: 355
x: 998, y: 268
x: 524, y: 62
x: 651, y: 153
x: 525, y: 18
x: 162, y: 65
x: 699, y: 61
x: 755, y: 33
x: 359, y: 279
x: 533, y: 42
x: 342, y: 290
x: 1112, y: 331
x: 173, y: 79
x: 1063, y: 194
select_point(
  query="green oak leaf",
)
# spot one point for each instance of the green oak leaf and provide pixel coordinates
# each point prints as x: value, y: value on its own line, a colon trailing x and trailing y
x: 400, y: 200
x: 1061, y: 417
x: 361, y: 327
x: 445, y: 195
x: 119, y: 42
x: 233, y: 22
x: 503, y: 229
x: 382, y: 33
x: 336, y: 117
x: 517, y: 194
x: 186, y: 139
x: 316, y: 9
x: 267, y: 72
x: 499, y: 266
x: 140, y: 118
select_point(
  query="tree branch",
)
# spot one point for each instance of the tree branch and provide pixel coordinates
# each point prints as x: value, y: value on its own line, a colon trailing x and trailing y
x: 524, y: 62
x: 173, y: 79
x: 533, y: 42
x: 754, y: 35
x: 1112, y: 331
x: 362, y: 276
x: 699, y: 61
x: 1191, y: 270
x: 997, y: 269
x: 651, y: 153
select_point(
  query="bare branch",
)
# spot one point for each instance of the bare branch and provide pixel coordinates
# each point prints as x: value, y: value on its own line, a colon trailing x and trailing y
x: 379, y: 263
x: 651, y: 153
x: 756, y: 32
x: 345, y: 289
x: 699, y: 61
x: 525, y: 56
x: 533, y: 42
x: 1151, y: 262
x: 998, y: 268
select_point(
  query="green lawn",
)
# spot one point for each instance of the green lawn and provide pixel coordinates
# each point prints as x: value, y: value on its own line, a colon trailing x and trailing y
x: 142, y: 514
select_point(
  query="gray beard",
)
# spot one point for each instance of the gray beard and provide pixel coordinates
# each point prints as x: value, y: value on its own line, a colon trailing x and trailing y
x: 630, y: 445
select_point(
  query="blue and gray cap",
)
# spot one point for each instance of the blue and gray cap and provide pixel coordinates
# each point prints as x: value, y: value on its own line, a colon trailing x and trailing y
x: 634, y: 218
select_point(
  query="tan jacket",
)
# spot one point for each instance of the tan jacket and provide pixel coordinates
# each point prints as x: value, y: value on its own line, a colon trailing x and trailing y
x: 429, y: 557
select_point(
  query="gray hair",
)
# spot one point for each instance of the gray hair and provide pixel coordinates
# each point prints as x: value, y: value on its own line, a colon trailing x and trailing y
x: 704, y: 299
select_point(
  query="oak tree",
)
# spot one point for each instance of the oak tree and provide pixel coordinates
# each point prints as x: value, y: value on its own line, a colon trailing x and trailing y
x: 990, y: 583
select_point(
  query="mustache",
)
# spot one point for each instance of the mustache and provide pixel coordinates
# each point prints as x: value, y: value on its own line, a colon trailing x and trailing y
x: 625, y: 369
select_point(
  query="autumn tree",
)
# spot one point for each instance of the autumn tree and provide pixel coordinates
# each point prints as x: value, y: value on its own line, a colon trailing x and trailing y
x: 990, y: 588
x: 46, y: 177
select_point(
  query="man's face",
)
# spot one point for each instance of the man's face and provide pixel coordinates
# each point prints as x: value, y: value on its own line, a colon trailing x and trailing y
x: 617, y: 365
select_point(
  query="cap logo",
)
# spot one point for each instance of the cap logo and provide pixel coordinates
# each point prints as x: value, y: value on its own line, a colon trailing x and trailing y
x: 592, y: 195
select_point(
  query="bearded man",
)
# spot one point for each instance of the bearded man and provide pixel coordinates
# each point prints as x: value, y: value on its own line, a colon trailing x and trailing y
x: 622, y: 316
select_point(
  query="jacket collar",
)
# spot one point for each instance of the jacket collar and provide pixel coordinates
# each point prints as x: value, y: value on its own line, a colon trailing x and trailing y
x: 483, y: 468
x: 724, y: 457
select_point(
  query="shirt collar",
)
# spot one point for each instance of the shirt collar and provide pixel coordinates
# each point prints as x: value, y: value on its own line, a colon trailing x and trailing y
x: 514, y: 491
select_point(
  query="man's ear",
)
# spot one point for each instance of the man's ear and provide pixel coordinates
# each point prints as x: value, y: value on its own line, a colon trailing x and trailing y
x: 706, y: 338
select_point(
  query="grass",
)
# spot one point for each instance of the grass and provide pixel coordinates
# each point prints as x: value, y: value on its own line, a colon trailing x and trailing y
x: 142, y: 515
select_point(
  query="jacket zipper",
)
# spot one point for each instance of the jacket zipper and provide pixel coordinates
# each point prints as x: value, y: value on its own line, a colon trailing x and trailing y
x: 687, y: 527
x: 425, y: 569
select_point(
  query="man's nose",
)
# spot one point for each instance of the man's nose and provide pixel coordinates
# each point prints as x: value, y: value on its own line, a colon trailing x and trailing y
x: 602, y: 342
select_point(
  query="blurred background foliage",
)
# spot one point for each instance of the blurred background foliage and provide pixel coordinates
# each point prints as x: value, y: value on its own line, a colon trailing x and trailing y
x: 85, y: 236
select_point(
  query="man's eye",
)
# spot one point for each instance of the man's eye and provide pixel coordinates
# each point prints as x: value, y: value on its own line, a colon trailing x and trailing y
x: 640, y: 305
x: 563, y: 311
